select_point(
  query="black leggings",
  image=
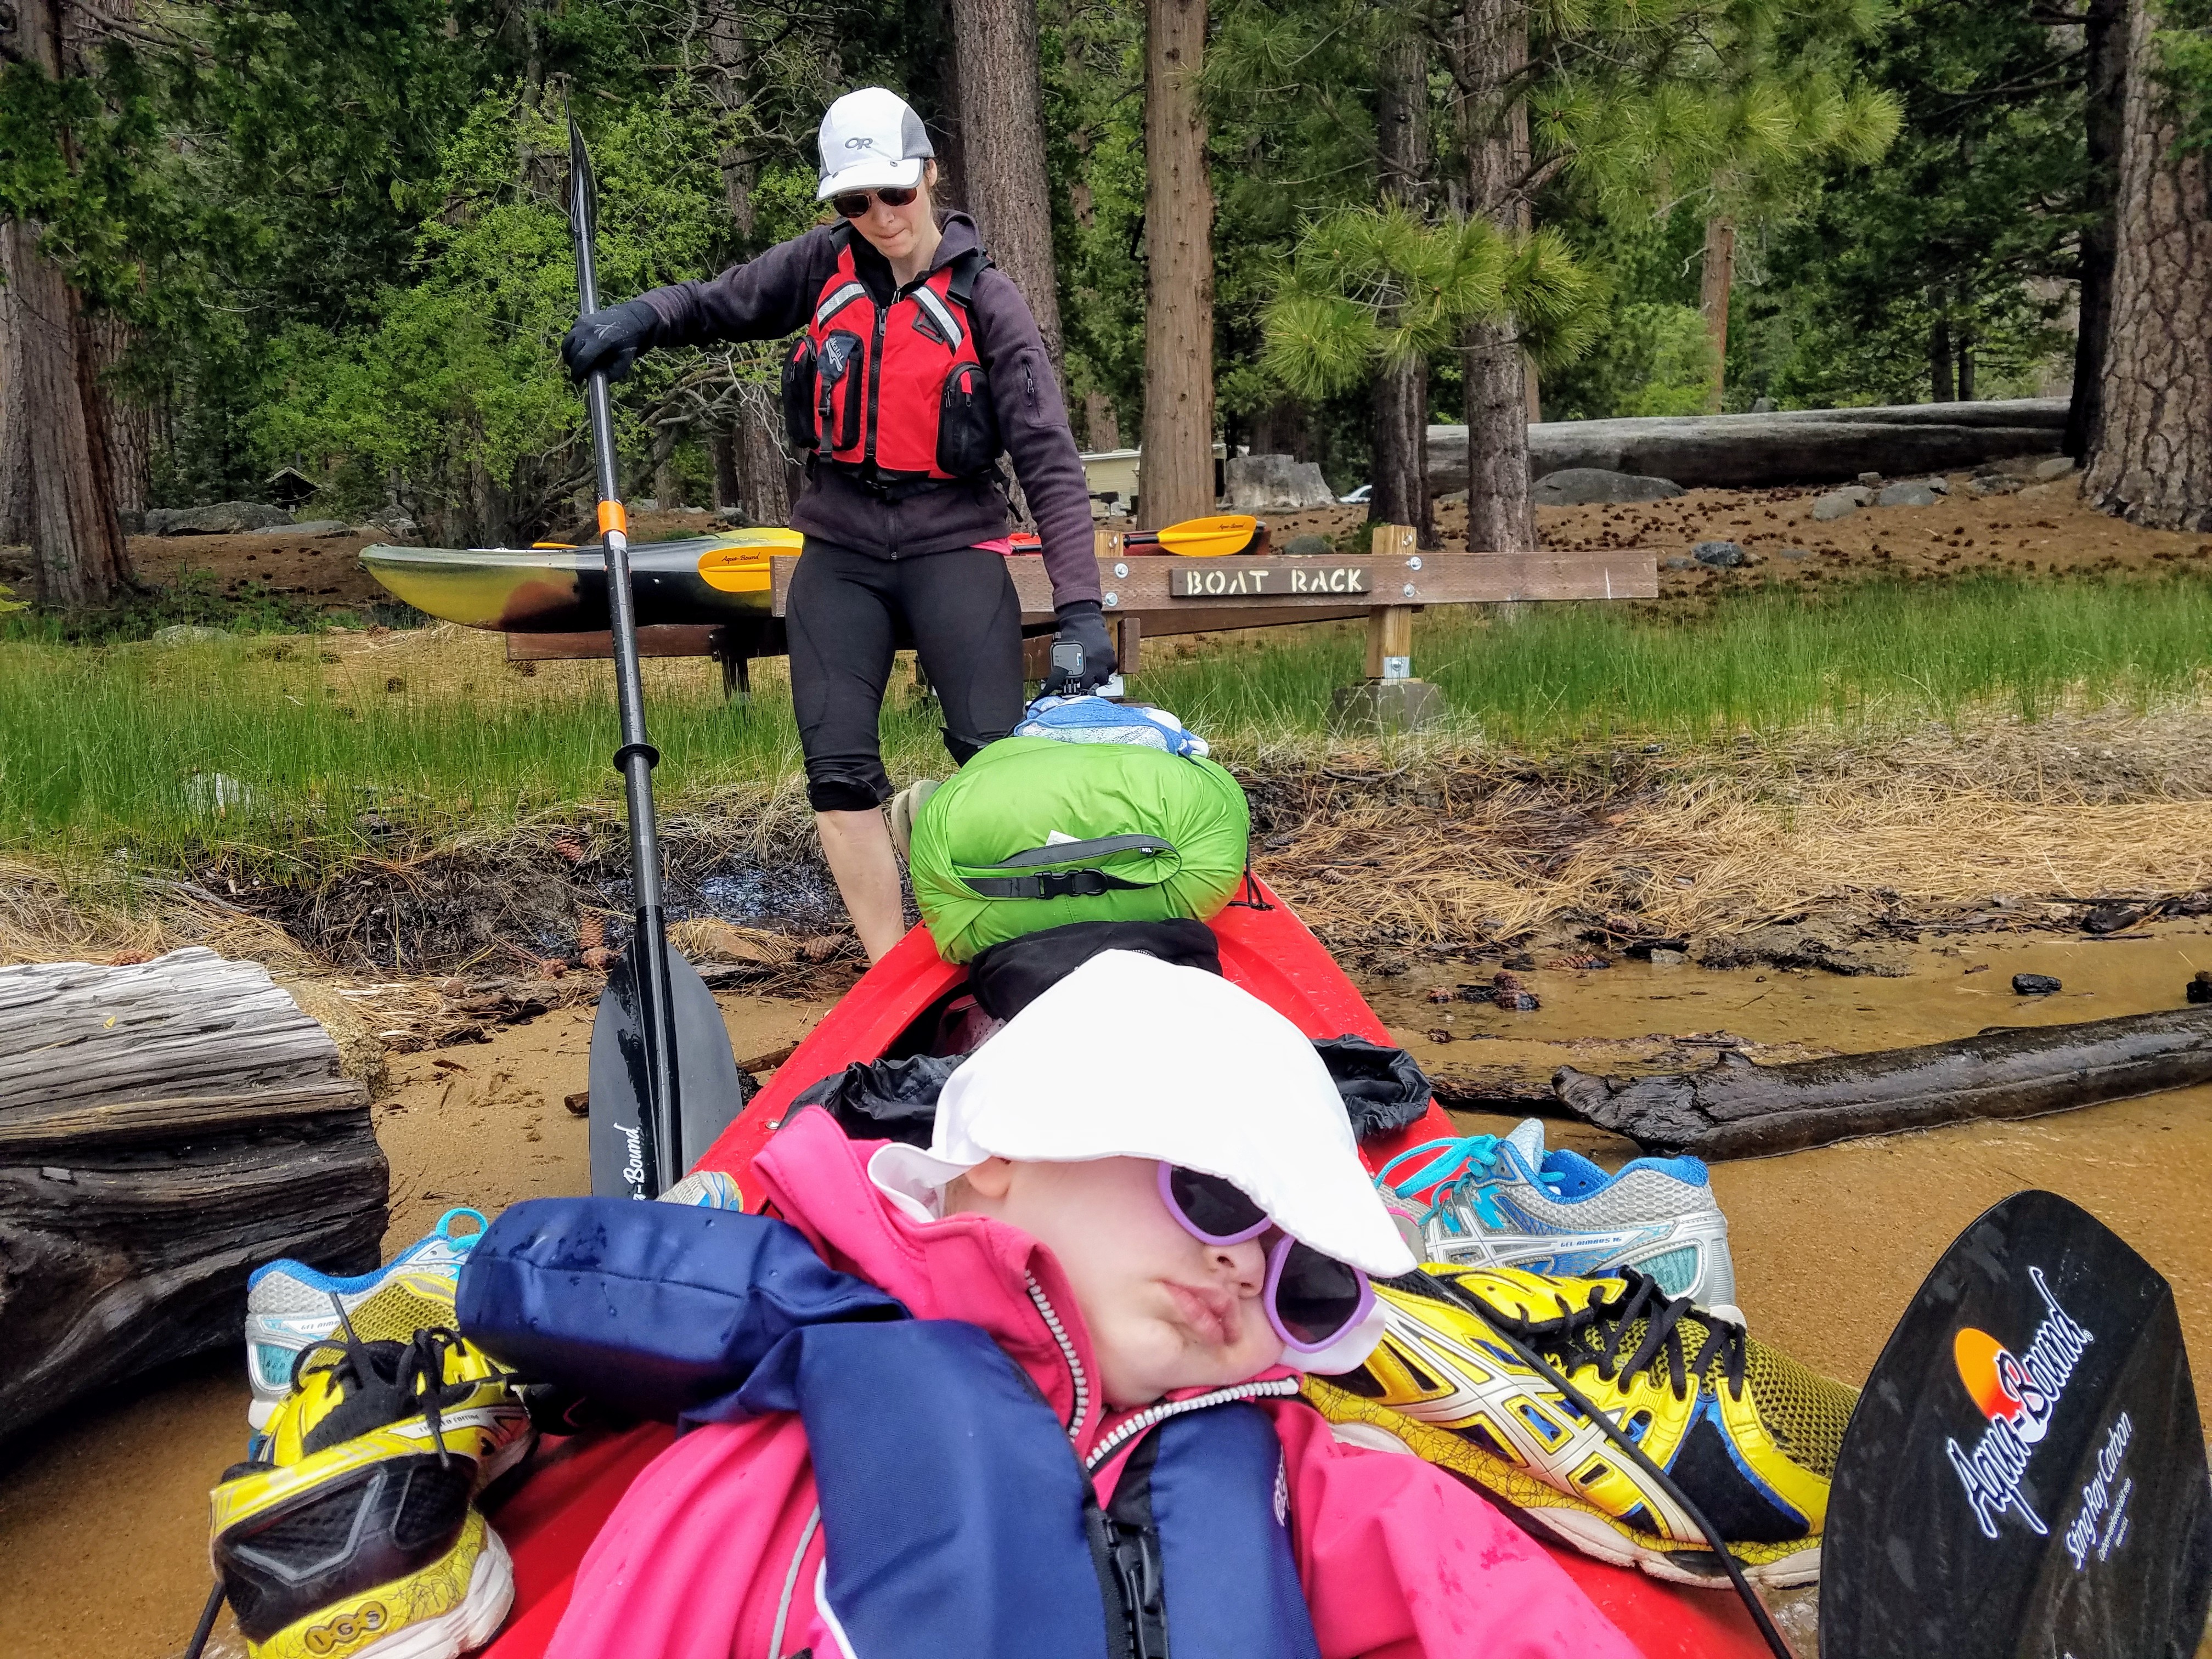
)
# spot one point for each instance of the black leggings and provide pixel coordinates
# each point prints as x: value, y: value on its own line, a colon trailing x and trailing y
x: 848, y: 611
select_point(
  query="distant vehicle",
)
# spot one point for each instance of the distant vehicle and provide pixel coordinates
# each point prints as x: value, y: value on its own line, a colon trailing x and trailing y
x: 1357, y: 497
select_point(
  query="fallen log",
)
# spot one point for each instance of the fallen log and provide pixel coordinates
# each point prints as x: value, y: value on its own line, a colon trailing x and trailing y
x: 1737, y: 1107
x: 164, y: 1129
x: 1786, y: 446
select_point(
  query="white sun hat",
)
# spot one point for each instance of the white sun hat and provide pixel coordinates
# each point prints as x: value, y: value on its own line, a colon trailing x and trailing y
x: 1132, y: 1057
x: 870, y: 139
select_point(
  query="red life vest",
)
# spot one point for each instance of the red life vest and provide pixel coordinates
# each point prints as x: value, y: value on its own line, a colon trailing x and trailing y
x: 895, y: 393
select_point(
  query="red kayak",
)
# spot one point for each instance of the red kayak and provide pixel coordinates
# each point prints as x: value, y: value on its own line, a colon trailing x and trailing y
x: 549, y: 1522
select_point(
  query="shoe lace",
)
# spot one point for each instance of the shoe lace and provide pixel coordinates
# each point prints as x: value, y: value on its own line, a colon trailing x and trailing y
x: 410, y: 1375
x: 1460, y: 1166
x: 1593, y: 1335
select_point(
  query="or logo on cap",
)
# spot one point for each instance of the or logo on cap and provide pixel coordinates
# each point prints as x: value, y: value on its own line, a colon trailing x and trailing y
x: 862, y: 143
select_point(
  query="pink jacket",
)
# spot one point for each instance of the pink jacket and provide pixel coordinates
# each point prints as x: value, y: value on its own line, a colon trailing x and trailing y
x: 715, y: 1552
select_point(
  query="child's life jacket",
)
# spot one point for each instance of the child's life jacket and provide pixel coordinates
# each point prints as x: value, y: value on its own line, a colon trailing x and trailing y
x: 893, y: 393
x: 960, y: 1518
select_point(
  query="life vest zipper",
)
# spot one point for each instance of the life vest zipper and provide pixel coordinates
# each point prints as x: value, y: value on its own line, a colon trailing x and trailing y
x: 1130, y: 1427
x: 1081, y: 1409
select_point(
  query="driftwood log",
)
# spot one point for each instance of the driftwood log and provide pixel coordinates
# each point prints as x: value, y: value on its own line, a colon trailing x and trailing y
x: 164, y: 1129
x: 1788, y: 447
x: 1740, y: 1108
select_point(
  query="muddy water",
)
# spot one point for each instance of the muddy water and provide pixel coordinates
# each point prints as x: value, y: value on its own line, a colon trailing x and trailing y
x: 102, y: 1521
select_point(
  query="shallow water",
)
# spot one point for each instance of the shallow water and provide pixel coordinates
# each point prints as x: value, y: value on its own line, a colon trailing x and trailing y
x: 103, y: 1519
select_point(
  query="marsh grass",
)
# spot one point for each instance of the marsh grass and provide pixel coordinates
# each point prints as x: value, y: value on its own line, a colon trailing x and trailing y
x: 281, y: 754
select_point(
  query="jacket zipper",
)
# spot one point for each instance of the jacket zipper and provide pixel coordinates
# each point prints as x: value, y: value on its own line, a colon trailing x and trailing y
x: 1067, y: 1352
x: 1130, y: 1427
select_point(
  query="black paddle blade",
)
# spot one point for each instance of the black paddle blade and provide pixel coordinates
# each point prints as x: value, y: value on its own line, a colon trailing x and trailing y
x: 2025, y: 1473
x: 712, y: 1089
x: 583, y: 188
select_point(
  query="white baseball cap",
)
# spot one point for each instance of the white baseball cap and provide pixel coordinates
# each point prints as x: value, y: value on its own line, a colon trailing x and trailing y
x: 870, y: 139
x: 1132, y: 1057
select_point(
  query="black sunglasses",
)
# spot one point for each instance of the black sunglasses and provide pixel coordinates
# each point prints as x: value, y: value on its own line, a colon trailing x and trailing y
x: 854, y: 204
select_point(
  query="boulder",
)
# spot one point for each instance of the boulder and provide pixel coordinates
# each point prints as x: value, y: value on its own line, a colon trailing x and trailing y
x: 2057, y: 467
x: 187, y: 633
x: 1275, y: 484
x: 306, y: 530
x: 1720, y: 555
x: 1309, y: 546
x: 1992, y: 483
x: 1784, y: 446
x: 1836, y: 504
x: 1913, y: 493
x: 223, y: 518
x: 1676, y: 561
x: 1584, y: 486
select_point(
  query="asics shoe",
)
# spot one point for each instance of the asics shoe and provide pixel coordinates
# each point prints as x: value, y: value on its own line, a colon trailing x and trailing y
x: 289, y: 1307
x: 1748, y: 1435
x: 1490, y: 1202
x: 355, y: 1536
x: 707, y: 1189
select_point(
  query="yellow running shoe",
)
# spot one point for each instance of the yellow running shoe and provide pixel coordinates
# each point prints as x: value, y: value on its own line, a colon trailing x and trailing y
x: 355, y: 1536
x: 1748, y: 1434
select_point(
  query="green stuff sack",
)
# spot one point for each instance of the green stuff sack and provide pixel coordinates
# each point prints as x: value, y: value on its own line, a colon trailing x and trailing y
x: 1035, y: 833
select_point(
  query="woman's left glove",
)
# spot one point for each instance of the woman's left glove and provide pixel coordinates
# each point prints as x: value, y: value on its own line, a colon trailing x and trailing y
x: 1082, y: 623
x: 609, y: 341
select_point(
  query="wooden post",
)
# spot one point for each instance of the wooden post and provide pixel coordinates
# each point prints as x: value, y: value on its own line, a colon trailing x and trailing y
x: 1391, y: 699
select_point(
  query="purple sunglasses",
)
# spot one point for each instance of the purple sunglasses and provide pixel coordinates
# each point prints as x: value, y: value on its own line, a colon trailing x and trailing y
x: 1311, y: 1299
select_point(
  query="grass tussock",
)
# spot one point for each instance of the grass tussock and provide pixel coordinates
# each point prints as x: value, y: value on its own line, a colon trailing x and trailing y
x: 282, y: 758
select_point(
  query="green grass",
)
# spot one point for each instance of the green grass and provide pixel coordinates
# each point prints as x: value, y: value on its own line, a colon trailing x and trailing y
x: 117, y: 747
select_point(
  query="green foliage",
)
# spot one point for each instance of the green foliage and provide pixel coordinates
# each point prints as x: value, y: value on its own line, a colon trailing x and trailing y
x: 1648, y: 359
x: 2184, y: 44
x: 1969, y: 220
x: 8, y: 602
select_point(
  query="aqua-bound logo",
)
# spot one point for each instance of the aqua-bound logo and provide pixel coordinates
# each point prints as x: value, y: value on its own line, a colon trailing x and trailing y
x: 2019, y: 1395
x: 634, y: 1165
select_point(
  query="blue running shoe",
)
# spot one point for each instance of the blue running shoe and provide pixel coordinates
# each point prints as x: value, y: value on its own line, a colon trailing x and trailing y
x: 706, y: 1189
x: 1493, y: 1201
x: 289, y: 1305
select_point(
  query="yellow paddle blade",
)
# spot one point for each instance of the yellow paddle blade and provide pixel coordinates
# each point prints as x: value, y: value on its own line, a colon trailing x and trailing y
x: 1210, y: 538
x: 740, y: 564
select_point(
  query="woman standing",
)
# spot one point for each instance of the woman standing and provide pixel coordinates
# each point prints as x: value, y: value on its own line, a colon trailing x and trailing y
x: 919, y: 363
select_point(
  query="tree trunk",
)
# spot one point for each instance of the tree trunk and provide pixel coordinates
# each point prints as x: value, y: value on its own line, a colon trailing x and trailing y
x: 1002, y: 127
x: 1401, y: 428
x: 1177, y: 480
x: 2105, y: 45
x: 1939, y: 359
x: 765, y: 475
x: 722, y: 450
x: 57, y: 477
x: 727, y: 50
x: 1965, y: 356
x: 1715, y: 279
x: 1101, y: 430
x: 1493, y: 45
x: 2150, y: 457
x: 164, y: 1129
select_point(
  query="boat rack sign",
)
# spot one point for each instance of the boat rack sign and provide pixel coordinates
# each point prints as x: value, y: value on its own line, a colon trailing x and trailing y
x: 1238, y: 579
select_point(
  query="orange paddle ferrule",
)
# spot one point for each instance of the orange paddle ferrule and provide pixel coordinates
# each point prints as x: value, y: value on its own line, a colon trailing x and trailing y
x: 611, y: 517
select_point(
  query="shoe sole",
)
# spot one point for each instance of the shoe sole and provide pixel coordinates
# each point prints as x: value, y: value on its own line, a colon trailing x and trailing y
x: 1593, y: 1537
x: 467, y: 1626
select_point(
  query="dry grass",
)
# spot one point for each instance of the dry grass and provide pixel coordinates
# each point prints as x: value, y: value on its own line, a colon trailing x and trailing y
x: 46, y: 916
x: 1927, y: 828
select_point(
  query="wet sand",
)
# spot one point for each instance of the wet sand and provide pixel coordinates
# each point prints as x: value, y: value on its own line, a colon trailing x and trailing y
x: 1829, y: 1244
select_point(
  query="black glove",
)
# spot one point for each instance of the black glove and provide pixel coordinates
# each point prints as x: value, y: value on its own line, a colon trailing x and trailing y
x: 609, y: 341
x: 1081, y: 623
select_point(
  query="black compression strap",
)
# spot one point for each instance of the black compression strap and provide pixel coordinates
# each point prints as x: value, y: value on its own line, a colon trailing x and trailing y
x: 965, y: 269
x: 1065, y: 884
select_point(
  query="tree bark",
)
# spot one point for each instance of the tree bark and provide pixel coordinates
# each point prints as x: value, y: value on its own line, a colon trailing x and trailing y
x: 1399, y: 433
x: 729, y: 53
x: 1002, y: 127
x: 1715, y: 279
x: 164, y: 1129
x: 1493, y: 45
x: 57, y: 477
x: 2105, y: 45
x: 1965, y: 357
x: 1101, y: 429
x: 765, y: 475
x: 2150, y: 457
x: 1177, y: 479
x: 1939, y: 361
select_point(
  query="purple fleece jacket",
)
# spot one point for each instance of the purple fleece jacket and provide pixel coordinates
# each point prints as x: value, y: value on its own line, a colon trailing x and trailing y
x: 772, y: 295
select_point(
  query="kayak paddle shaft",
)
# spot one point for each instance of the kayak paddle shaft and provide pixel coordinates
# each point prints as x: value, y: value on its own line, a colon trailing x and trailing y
x: 660, y: 1150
